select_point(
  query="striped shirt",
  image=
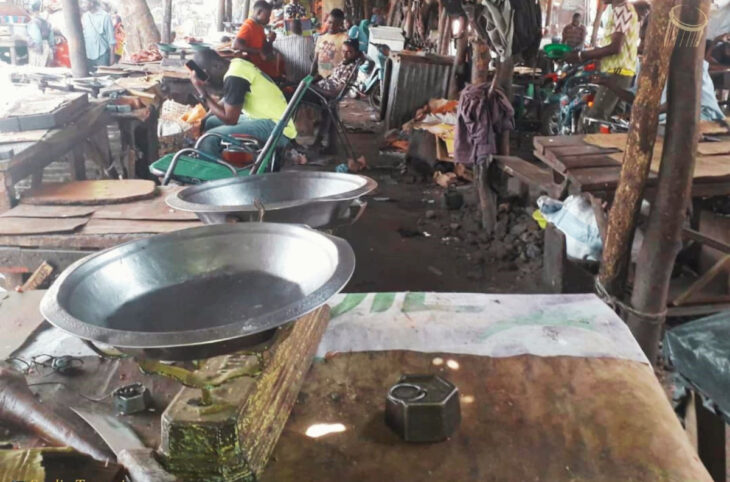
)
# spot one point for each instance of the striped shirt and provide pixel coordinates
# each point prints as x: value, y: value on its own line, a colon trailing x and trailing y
x: 623, y: 19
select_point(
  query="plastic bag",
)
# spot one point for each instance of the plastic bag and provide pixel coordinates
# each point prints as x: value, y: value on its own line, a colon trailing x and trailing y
x: 575, y: 218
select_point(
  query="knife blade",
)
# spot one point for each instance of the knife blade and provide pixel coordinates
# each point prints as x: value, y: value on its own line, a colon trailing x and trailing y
x: 139, y: 460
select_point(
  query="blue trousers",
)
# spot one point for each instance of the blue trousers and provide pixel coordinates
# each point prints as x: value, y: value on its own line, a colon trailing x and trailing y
x: 260, y: 129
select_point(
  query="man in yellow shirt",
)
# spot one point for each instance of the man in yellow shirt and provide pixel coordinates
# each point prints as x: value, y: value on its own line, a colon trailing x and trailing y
x: 617, y: 54
x: 251, y: 104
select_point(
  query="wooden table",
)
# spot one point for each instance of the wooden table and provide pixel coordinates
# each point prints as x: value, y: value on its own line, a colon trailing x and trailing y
x: 524, y: 417
x: 581, y: 167
x: 65, y: 234
x: 552, y: 388
x: 24, y: 159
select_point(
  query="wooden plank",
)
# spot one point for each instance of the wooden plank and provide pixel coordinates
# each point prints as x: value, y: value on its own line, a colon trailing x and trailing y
x: 20, y: 317
x: 523, y: 418
x: 31, y: 211
x: 146, y: 209
x: 238, y: 439
x: 130, y: 226
x: 26, y: 226
x: 106, y: 191
x: 542, y: 142
x: 713, y: 128
x: 25, y: 136
x: 593, y: 160
x: 530, y: 174
x: 713, y: 148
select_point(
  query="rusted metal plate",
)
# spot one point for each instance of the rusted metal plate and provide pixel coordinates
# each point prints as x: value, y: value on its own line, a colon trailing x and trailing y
x: 19, y: 318
x: 127, y: 226
x: 28, y: 226
x: 523, y: 418
x: 31, y: 211
x: 154, y: 209
x: 90, y: 192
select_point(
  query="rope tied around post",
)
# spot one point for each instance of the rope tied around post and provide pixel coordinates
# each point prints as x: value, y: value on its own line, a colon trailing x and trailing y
x: 616, y: 304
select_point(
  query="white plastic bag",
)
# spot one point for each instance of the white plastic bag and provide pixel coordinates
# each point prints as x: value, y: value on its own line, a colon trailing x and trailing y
x: 575, y: 218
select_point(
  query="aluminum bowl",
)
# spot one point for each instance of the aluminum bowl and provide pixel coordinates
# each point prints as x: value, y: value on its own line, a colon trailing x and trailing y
x: 199, y: 292
x: 317, y: 199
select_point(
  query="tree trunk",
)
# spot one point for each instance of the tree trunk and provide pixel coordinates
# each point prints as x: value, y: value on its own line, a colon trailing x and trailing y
x: 549, y: 15
x: 167, y: 22
x: 77, y: 47
x: 597, y: 22
x: 479, y: 61
x: 664, y: 233
x: 229, y: 10
x: 139, y: 25
x: 410, y: 19
x: 639, y: 148
x: 220, y: 15
x: 246, y: 9
x: 394, y: 5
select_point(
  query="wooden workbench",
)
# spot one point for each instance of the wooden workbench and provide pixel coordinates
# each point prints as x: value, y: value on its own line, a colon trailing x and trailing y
x: 578, y: 166
x: 552, y: 388
x: 64, y: 234
x: 28, y: 158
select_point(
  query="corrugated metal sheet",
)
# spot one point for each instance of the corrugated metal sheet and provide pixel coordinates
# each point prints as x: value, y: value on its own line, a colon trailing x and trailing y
x: 298, y: 53
x: 414, y: 79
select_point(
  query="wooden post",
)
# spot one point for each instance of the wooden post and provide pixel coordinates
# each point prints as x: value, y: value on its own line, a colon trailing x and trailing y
x: 220, y: 15
x: 393, y: 7
x: 410, y: 19
x: 443, y: 19
x: 459, y: 58
x: 664, y: 232
x: 597, y: 22
x: 639, y: 148
x: 548, y: 15
x: 229, y: 11
x: 75, y: 33
x: 246, y: 9
x: 167, y: 22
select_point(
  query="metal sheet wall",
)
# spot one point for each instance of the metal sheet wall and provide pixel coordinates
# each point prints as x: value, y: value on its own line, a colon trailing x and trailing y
x: 298, y: 53
x: 414, y: 79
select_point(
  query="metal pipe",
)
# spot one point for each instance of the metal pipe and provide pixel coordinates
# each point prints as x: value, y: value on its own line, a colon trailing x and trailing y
x: 664, y: 233
x: 639, y: 149
x: 204, y: 157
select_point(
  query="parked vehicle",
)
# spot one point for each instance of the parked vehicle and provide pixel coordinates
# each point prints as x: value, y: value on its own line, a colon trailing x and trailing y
x: 567, y: 93
x: 372, y: 86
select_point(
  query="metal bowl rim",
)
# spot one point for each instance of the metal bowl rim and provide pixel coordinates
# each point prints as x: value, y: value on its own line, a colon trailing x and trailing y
x: 177, y: 201
x: 57, y: 316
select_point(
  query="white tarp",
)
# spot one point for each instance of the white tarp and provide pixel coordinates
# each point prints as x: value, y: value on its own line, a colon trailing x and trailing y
x: 479, y: 324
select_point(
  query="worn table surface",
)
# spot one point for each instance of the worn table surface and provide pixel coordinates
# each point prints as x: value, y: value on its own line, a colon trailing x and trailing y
x: 99, y: 226
x: 551, y: 389
x: 584, y: 167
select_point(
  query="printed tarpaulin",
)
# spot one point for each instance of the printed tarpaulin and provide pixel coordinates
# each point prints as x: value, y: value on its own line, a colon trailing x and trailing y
x: 478, y: 324
x: 700, y: 353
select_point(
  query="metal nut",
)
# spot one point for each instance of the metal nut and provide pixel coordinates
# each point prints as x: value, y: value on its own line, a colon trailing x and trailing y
x: 423, y: 408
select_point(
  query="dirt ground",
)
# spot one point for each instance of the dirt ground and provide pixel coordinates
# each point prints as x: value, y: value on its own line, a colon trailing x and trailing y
x: 408, y: 241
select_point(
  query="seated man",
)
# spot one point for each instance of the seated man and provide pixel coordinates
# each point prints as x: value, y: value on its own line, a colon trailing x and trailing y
x: 709, y: 108
x: 252, y: 40
x: 252, y: 104
x: 331, y: 87
x: 328, y: 51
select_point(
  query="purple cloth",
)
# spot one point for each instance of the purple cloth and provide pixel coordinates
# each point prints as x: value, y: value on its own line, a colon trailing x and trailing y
x: 481, y: 116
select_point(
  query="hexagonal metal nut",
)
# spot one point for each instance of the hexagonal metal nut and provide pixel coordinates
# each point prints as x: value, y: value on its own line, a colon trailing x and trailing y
x: 423, y: 408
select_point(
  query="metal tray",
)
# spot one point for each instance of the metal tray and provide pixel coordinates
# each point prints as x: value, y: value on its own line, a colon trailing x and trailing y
x: 316, y: 199
x: 199, y: 292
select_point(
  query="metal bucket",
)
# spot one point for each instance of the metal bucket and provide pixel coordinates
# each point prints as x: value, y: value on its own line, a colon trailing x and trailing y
x: 199, y: 292
x: 316, y: 199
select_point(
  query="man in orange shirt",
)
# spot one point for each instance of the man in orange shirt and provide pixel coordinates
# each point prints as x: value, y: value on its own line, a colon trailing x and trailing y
x: 252, y: 40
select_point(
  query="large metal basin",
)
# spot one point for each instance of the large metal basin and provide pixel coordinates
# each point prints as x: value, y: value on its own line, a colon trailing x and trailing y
x: 317, y: 199
x: 199, y: 292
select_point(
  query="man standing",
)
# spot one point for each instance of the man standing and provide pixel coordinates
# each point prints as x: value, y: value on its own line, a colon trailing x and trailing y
x: 98, y: 35
x: 252, y: 39
x: 40, y: 38
x: 617, y: 54
x: 251, y: 104
x: 328, y: 52
x: 574, y: 34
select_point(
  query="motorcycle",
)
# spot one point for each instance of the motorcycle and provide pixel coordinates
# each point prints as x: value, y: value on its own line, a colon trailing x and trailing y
x: 374, y: 70
x: 567, y: 93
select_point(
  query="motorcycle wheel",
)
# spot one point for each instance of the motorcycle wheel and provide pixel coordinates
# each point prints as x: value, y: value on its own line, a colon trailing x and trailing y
x: 375, y: 98
x: 550, y: 120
